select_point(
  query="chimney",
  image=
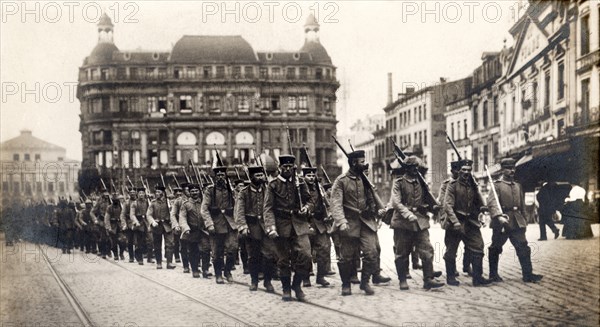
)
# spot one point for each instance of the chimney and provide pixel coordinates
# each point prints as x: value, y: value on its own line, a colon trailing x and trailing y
x: 390, y: 100
x: 26, y: 132
x: 410, y: 90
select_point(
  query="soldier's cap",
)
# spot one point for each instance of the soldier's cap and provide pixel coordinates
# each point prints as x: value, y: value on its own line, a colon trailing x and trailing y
x: 184, y: 185
x: 219, y: 169
x: 246, y: 183
x: 141, y: 189
x: 159, y: 188
x: 455, y: 165
x: 115, y: 196
x: 356, y: 154
x: 255, y: 169
x: 327, y: 186
x: 286, y: 159
x: 88, y: 201
x: 412, y: 161
x: 192, y: 186
x: 466, y: 162
x: 507, y: 163
x: 238, y: 181
x: 309, y: 170
x: 133, y: 189
x: 177, y: 189
x: 206, y: 183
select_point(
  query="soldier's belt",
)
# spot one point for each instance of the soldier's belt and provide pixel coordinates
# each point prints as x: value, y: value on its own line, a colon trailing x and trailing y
x: 253, y: 218
x: 510, y: 209
x: 287, y: 212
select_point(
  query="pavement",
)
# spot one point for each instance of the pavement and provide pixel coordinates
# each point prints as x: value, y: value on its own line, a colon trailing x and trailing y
x: 126, y: 294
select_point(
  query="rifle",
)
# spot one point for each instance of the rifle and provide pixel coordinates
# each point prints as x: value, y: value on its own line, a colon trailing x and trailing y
x: 325, y: 174
x: 176, y: 182
x: 187, y: 177
x: 401, y: 156
x: 471, y: 177
x: 147, y: 190
x: 195, y: 173
x: 106, y: 188
x: 296, y: 180
x: 163, y: 185
x: 237, y: 173
x: 220, y: 163
x: 130, y: 183
x: 351, y: 147
x: 317, y: 184
x: 493, y: 187
x: 368, y: 184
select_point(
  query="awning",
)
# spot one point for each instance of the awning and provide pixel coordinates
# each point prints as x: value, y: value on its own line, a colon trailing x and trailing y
x: 525, y: 159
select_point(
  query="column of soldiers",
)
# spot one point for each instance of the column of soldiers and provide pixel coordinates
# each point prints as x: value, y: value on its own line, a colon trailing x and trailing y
x: 281, y: 223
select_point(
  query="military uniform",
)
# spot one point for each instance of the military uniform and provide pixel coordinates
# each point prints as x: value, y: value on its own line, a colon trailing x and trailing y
x: 511, y: 198
x: 183, y: 247
x: 98, y: 212
x: 411, y: 227
x: 261, y: 249
x: 88, y: 225
x: 128, y: 226
x: 193, y: 232
x: 113, y: 223
x: 137, y: 214
x: 217, y: 212
x: 320, y: 242
x: 462, y: 207
x: 158, y: 213
x: 282, y: 214
x: 353, y: 203
x: 66, y: 224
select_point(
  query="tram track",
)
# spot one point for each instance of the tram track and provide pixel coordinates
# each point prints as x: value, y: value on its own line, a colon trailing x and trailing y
x: 81, y: 313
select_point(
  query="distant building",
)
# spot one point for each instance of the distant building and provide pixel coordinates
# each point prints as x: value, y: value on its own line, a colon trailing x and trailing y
x: 37, y: 170
x: 147, y: 113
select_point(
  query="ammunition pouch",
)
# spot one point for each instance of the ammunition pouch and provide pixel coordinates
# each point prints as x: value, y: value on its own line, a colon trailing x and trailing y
x: 251, y: 219
x: 215, y: 211
x: 229, y: 211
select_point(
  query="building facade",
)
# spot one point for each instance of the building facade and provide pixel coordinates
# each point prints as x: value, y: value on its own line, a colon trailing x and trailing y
x: 147, y: 113
x: 36, y: 170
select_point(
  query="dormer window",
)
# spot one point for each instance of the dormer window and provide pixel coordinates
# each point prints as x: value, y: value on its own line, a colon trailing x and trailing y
x: 269, y: 56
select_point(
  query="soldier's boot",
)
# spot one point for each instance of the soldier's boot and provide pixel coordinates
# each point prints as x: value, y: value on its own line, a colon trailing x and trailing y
x: 218, y: 271
x: 229, y: 266
x: 467, y: 262
x: 494, y: 255
x: 450, y: 272
x: 379, y: 279
x: 478, y: 279
x: 253, y: 278
x: 344, y: 270
x: 364, y: 283
x: 414, y: 256
x: 322, y: 281
x: 428, y: 281
x: 401, y: 268
x: 297, y: 287
x: 170, y: 264
x: 286, y: 286
x: 524, y: 255
x: 205, y: 259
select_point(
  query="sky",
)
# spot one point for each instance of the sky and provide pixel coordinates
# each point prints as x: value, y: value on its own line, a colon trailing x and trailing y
x: 42, y: 45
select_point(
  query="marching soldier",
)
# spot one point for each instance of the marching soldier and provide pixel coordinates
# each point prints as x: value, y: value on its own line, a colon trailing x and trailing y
x: 287, y: 204
x: 217, y: 213
x: 181, y: 195
x: 320, y: 242
x: 446, y: 224
x: 66, y: 223
x: 193, y: 231
x: 462, y: 207
x: 509, y: 222
x: 101, y: 234
x: 411, y: 224
x: 127, y: 225
x: 88, y: 224
x: 159, y: 220
x: 113, y: 225
x: 251, y: 224
x: 354, y: 210
x: 137, y: 214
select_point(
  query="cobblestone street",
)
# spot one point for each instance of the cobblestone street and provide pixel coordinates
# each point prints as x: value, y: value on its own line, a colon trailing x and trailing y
x: 112, y: 293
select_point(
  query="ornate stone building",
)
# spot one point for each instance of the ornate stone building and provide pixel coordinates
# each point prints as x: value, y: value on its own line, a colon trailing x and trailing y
x: 143, y: 113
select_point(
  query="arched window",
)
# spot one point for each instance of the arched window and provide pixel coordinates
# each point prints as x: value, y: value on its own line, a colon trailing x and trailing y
x: 186, y: 138
x: 215, y: 138
x: 244, y: 138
